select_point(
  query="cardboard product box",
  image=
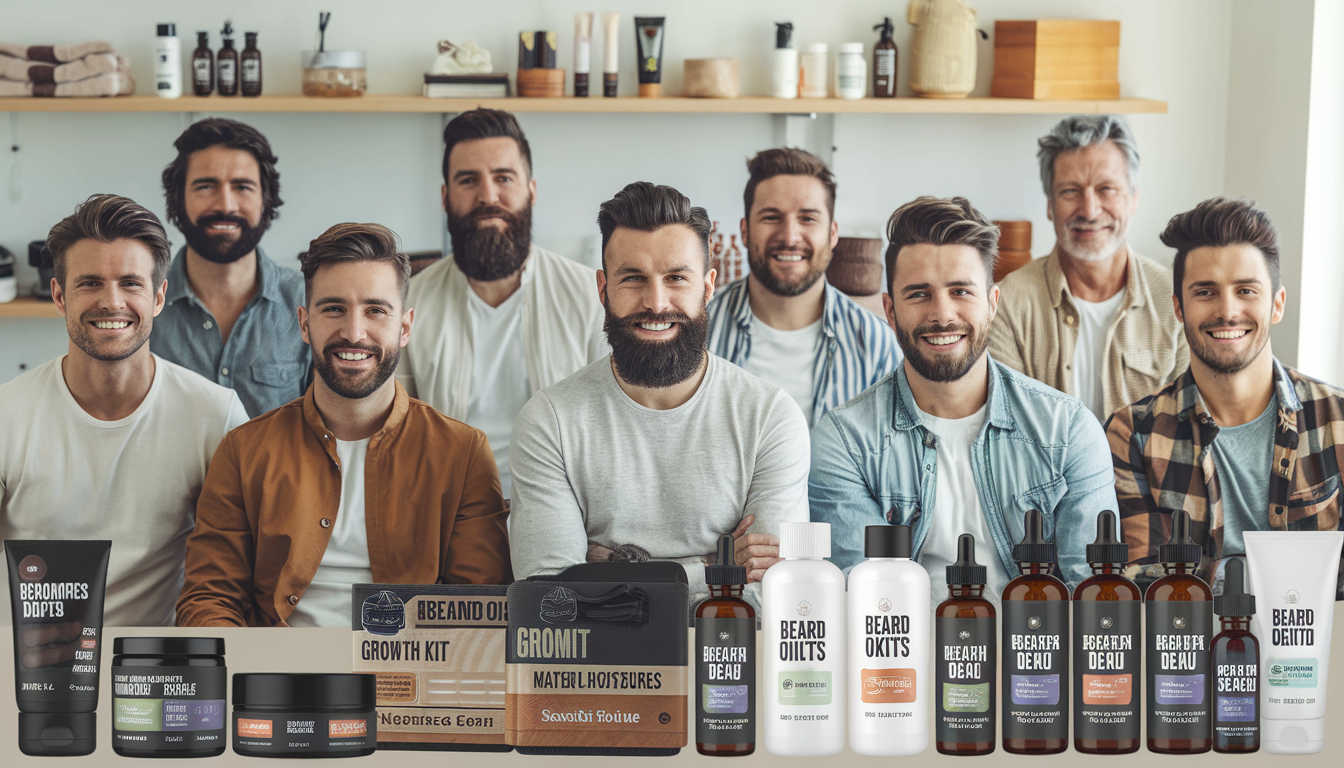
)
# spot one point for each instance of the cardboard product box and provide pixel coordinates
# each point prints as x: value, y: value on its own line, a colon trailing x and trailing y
x: 1056, y: 59
x: 598, y: 661
x: 438, y: 653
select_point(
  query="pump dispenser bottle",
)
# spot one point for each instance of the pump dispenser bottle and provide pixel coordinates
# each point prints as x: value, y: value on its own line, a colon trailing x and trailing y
x: 784, y: 63
x: 725, y: 660
x: 1035, y: 649
x: 888, y: 647
x: 884, y: 61
x: 1236, y: 667
x: 965, y: 657
x: 1107, y: 611
x: 1179, y: 628
x: 227, y: 63
x: 803, y: 687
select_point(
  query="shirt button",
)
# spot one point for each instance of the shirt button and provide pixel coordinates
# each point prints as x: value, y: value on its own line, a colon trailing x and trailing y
x: 293, y: 599
x: 224, y: 370
x: 326, y: 523
x: 209, y: 325
x: 1068, y: 319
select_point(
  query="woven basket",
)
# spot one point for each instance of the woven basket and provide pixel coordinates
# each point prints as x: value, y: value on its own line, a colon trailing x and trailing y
x: 942, y: 48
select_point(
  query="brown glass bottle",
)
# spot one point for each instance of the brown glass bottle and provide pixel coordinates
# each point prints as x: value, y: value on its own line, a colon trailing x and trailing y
x: 250, y: 66
x: 963, y: 623
x: 1035, y: 649
x: 203, y: 66
x: 725, y: 661
x: 226, y: 64
x: 1108, y: 607
x: 1236, y: 665
x: 884, y: 62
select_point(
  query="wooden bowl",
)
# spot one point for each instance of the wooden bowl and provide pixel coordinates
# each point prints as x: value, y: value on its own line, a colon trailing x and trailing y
x: 541, y: 83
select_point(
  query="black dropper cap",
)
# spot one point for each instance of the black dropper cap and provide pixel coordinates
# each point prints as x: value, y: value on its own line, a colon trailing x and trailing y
x: 887, y: 28
x: 1108, y: 548
x: 203, y: 38
x: 721, y: 572
x: 1234, y: 601
x: 783, y: 34
x: 886, y: 541
x: 227, y: 31
x: 1180, y: 549
x: 1034, y: 547
x: 966, y: 571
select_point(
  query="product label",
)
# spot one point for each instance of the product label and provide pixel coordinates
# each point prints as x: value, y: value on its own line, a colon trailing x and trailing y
x: 1240, y: 709
x: 887, y: 686
x: 228, y: 72
x: 1236, y: 691
x: 886, y: 63
x: 1035, y: 669
x: 965, y: 660
x: 200, y: 69
x: 251, y: 71
x: 1106, y: 652
x: 805, y: 687
x: 304, y: 733
x: 167, y: 708
x: 1292, y: 673
x: 725, y: 676
x: 1178, y: 669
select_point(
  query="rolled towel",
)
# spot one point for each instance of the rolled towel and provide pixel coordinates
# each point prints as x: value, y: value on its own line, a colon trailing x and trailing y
x: 55, y: 54
x: 44, y: 72
x: 109, y: 84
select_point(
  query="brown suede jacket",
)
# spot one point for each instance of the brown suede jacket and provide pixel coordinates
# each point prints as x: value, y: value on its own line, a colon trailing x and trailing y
x: 432, y: 505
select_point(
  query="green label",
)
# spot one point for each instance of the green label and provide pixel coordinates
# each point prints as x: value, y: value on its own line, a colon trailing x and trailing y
x: 810, y: 688
x: 137, y: 714
x: 1292, y: 673
x: 965, y: 698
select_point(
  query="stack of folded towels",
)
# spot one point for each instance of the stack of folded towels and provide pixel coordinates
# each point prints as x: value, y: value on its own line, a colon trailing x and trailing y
x: 79, y: 69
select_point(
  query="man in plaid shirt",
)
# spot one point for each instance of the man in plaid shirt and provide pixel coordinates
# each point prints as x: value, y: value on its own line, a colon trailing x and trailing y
x: 1240, y: 441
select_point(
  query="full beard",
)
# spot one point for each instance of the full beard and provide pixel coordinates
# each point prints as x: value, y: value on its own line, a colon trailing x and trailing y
x: 218, y: 249
x: 657, y: 364
x: 759, y: 261
x: 487, y: 253
x: 360, y: 386
x: 943, y: 368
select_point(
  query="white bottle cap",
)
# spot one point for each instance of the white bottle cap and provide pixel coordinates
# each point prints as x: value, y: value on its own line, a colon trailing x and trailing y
x: 1292, y: 737
x: 800, y: 540
x: 814, y: 48
x: 851, y: 47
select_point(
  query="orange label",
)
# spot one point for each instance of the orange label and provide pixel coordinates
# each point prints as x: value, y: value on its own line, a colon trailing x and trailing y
x: 1108, y: 690
x: 341, y: 728
x: 258, y: 729
x: 888, y: 686
x: 88, y: 643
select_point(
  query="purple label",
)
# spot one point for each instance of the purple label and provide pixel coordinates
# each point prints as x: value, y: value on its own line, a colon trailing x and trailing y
x: 1179, y: 689
x: 726, y: 698
x: 1040, y: 690
x: 193, y: 715
x: 1236, y: 709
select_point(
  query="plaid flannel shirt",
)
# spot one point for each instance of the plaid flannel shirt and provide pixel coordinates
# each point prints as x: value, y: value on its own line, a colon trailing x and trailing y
x: 1161, y: 450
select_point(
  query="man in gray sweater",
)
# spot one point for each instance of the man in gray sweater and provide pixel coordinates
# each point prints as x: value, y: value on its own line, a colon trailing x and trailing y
x: 654, y: 452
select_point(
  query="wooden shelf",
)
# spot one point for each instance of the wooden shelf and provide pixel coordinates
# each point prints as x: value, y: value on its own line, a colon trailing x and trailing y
x: 743, y: 105
x: 27, y: 306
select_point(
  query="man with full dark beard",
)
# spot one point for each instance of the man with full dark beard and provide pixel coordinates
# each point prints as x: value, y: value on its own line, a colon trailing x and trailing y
x: 229, y: 314
x: 654, y: 452
x: 355, y: 482
x: 784, y: 322
x: 955, y: 442
x: 502, y: 318
x: 1240, y: 441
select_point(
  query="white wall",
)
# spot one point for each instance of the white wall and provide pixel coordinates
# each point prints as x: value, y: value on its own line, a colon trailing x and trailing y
x: 385, y: 167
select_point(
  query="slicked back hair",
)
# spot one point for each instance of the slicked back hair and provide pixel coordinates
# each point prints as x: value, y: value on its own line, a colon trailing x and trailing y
x: 349, y: 242
x: 107, y: 218
x: 215, y: 132
x: 787, y: 161
x: 941, y: 221
x: 1219, y: 222
x: 649, y: 207
x: 485, y: 124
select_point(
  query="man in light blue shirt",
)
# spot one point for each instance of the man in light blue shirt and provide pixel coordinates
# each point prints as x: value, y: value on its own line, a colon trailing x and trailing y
x: 954, y: 442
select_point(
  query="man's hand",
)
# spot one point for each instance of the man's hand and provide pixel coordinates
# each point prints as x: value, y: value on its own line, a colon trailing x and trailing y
x: 756, y: 551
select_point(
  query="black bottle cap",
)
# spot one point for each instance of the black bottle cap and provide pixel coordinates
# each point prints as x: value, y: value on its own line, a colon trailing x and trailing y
x: 783, y: 34
x: 305, y: 691
x: 167, y: 30
x: 58, y: 734
x: 203, y: 38
x: 1180, y: 549
x: 721, y: 572
x: 886, y: 541
x: 1234, y: 601
x: 1034, y: 547
x: 227, y: 30
x: 168, y: 646
x: 965, y: 571
x: 887, y: 28
x: 1108, y: 548
x: 250, y: 37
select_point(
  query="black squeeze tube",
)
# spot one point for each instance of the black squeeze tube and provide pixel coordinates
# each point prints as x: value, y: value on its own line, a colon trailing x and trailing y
x: 649, y: 33
x: 56, y: 590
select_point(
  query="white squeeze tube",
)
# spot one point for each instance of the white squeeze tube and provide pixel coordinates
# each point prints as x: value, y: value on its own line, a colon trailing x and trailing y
x: 1293, y: 575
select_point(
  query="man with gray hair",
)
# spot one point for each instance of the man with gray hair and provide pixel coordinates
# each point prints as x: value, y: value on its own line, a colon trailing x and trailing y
x: 1093, y: 318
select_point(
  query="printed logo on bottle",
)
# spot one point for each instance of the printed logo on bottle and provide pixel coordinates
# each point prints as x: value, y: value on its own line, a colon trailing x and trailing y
x: 804, y: 608
x: 1107, y: 622
x: 884, y: 605
x: 256, y: 729
x: 1034, y: 622
x: 1291, y: 597
x: 383, y: 613
x: 888, y: 686
x: 559, y: 605
x: 32, y: 568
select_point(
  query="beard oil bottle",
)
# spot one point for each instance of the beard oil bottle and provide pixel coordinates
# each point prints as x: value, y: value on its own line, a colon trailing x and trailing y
x: 1179, y: 609
x: 965, y: 658
x: 1107, y: 609
x: 226, y: 64
x: 1236, y: 665
x: 725, y: 661
x: 1035, y: 649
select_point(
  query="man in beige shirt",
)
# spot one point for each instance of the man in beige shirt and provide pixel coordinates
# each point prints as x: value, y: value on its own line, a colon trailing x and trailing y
x: 1093, y: 318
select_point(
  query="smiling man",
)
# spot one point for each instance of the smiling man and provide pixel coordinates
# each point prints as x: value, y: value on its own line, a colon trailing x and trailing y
x: 1240, y: 441
x: 1091, y: 318
x: 110, y: 441
x: 354, y: 482
x: 955, y: 442
x: 783, y: 321
x: 656, y: 450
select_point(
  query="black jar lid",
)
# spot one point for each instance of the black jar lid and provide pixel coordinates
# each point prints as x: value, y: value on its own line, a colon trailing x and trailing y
x: 305, y: 691
x: 168, y: 646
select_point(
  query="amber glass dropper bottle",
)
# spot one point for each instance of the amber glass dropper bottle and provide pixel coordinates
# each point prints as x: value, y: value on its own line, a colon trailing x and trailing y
x: 1236, y: 665
x: 725, y: 660
x: 965, y: 659
x: 1179, y: 629
x: 1107, y: 646
x: 1035, y: 648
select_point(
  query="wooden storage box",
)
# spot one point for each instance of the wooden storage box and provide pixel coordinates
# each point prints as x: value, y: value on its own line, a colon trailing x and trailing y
x: 1056, y: 59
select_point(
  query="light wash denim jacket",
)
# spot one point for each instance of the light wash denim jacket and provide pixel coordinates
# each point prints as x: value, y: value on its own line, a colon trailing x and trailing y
x: 873, y: 462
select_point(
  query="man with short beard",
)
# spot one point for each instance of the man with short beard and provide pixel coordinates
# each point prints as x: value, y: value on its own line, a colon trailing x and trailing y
x: 110, y: 441
x: 1240, y: 441
x: 502, y: 318
x: 355, y: 482
x: 657, y: 450
x: 784, y: 322
x: 954, y: 441
x: 229, y: 312
x: 1092, y: 318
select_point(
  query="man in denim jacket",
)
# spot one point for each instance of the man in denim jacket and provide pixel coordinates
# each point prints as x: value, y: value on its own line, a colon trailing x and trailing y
x: 954, y: 442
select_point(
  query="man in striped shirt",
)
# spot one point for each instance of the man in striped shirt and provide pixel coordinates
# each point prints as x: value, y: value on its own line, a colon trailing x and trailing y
x: 783, y: 322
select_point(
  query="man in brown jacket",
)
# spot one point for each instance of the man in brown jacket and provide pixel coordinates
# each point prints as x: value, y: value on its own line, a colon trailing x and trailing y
x: 355, y: 481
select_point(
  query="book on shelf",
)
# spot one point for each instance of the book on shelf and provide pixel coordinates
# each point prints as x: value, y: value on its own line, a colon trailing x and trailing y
x: 467, y: 86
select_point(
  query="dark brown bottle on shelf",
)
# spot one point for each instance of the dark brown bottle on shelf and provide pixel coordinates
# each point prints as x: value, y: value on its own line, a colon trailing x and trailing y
x: 226, y: 64
x: 203, y: 66
x: 725, y: 666
x: 884, y: 62
x: 250, y: 65
x: 965, y: 646
x: 1035, y: 649
x: 1236, y: 665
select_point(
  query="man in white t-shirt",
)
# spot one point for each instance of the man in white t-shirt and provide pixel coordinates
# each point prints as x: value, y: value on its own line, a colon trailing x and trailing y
x: 502, y: 318
x: 110, y: 441
x: 659, y: 449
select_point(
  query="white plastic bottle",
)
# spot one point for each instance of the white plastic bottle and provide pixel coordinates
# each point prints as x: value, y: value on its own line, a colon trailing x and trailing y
x: 889, y: 685
x: 851, y: 72
x: 784, y: 63
x: 167, y: 62
x: 814, y: 83
x: 803, y: 599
